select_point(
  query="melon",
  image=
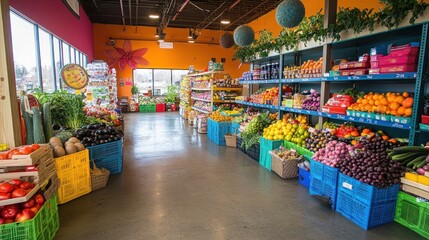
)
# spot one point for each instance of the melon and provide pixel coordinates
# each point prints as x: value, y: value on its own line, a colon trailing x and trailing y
x: 244, y: 35
x: 290, y: 13
x: 226, y: 40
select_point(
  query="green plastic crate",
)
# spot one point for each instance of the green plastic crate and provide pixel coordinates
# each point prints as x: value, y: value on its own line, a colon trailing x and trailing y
x: 302, y: 151
x: 143, y: 108
x: 413, y: 214
x: 151, y: 108
x: 42, y: 227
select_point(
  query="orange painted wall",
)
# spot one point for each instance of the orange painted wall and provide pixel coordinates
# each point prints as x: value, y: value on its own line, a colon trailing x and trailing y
x: 181, y: 56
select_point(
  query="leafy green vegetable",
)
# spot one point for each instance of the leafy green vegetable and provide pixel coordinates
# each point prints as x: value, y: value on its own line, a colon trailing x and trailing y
x: 66, y: 108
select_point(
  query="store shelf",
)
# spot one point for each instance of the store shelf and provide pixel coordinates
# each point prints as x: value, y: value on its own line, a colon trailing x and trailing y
x: 375, y: 77
x: 206, y: 73
x: 226, y: 89
x: 224, y: 101
x: 347, y: 118
x: 200, y: 99
x: 260, y: 81
x: 200, y: 110
x: 257, y: 105
x: 201, y: 89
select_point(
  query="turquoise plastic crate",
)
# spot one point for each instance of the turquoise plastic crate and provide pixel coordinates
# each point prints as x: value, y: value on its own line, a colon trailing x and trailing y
x: 108, y: 155
x: 366, y: 193
x: 216, y: 131
x: 265, y: 147
x: 365, y: 215
x: 324, y: 181
x: 235, y: 128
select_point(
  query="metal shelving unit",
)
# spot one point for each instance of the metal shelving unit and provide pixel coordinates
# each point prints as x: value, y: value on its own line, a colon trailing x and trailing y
x: 357, y: 46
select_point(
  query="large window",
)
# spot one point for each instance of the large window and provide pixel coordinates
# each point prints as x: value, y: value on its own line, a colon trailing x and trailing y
x: 39, y: 56
x: 24, y: 54
x: 157, y: 80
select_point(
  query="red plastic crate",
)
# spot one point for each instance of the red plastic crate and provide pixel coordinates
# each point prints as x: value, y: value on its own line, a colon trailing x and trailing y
x: 399, y: 68
x: 388, y: 60
x: 404, y: 50
x: 425, y: 119
x: 160, y: 107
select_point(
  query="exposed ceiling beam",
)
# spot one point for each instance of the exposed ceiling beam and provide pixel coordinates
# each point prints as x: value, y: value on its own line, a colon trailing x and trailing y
x: 181, y: 9
x: 123, y: 16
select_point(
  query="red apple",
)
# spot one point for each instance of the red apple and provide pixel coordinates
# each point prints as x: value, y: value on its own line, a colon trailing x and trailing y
x: 39, y: 199
x: 28, y: 204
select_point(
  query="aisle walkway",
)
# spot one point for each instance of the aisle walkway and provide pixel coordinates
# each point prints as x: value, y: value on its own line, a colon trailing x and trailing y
x: 178, y: 185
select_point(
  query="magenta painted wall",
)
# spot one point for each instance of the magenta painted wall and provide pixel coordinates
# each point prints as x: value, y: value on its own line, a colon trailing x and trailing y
x: 55, y: 17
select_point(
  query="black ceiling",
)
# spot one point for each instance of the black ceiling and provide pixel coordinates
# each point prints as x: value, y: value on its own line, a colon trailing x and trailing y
x: 198, y: 14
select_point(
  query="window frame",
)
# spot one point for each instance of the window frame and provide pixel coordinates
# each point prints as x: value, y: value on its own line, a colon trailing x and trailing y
x: 153, y: 75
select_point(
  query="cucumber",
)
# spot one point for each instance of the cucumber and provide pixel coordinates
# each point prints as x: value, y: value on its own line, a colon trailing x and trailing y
x: 39, y: 136
x: 416, y: 161
x: 28, y: 119
x: 47, y: 122
x: 404, y: 156
x: 407, y: 149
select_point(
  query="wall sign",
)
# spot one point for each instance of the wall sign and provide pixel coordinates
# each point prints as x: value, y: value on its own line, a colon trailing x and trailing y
x: 168, y: 45
x: 73, y: 6
x: 74, y: 76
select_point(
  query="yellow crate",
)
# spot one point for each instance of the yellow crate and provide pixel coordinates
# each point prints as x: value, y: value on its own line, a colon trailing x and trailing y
x: 74, y: 174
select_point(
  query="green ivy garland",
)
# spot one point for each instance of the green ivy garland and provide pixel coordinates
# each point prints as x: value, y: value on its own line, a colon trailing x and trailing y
x: 312, y: 28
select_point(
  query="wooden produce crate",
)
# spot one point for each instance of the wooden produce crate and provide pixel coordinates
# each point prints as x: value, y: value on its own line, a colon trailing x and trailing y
x: 27, y: 160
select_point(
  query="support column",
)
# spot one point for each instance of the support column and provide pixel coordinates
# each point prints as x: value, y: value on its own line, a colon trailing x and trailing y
x: 325, y: 88
x: 9, y: 115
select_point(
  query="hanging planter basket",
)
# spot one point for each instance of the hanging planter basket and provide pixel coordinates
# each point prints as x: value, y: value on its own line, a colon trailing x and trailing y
x: 290, y: 13
x: 244, y: 35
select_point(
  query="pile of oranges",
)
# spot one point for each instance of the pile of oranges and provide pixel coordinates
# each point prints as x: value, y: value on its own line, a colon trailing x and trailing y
x: 312, y: 65
x: 270, y: 96
x: 396, y: 104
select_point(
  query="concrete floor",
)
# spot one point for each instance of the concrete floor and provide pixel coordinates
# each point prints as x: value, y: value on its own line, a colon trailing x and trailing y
x: 176, y: 184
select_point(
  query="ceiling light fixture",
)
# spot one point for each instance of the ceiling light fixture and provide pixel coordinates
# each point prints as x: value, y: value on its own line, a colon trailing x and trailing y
x: 190, y: 34
x: 154, y: 16
x: 161, y: 37
x: 157, y: 33
x: 191, y: 41
x: 225, y: 21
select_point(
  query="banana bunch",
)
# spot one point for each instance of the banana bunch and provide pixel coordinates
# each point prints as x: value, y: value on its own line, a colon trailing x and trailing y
x: 410, y: 156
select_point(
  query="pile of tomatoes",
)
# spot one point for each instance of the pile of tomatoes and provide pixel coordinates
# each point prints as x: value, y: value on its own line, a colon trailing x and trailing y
x: 23, y: 150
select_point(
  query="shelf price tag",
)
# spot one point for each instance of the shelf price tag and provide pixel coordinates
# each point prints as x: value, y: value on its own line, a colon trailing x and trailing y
x: 347, y: 185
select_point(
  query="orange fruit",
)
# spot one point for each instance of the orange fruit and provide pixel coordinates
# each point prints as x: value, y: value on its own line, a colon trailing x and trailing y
x: 381, y: 109
x: 391, y: 98
x: 408, y: 112
x: 393, y: 112
x: 383, y: 101
x: 359, y: 100
x: 408, y: 102
x: 399, y: 99
x: 405, y: 94
x: 394, y: 106
x: 377, y: 102
x: 371, y: 102
x: 401, y: 111
x: 365, y: 101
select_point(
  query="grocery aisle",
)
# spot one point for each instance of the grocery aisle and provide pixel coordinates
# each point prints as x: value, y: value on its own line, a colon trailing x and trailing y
x: 178, y: 185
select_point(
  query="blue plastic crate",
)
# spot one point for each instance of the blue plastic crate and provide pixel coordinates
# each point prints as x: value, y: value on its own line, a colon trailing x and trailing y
x: 364, y: 215
x: 253, y: 152
x: 319, y: 188
x: 366, y: 193
x: 108, y: 155
x: 265, y: 147
x: 235, y: 128
x: 217, y: 131
x: 316, y: 169
x: 304, y: 177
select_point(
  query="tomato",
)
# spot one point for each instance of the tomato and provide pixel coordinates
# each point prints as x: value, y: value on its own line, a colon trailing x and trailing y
x: 2, y: 221
x: 39, y: 198
x: 3, y: 156
x: 15, y: 182
x: 28, y: 204
x: 35, y: 146
x: 6, y: 187
x: 26, y: 185
x: 19, y: 193
x: 9, y: 220
x: 10, y: 211
x: 4, y: 196
x: 26, y: 150
x: 12, y: 152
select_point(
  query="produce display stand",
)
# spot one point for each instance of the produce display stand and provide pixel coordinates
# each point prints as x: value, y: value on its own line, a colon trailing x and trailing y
x: 42, y: 227
x: 74, y: 176
x: 108, y: 155
x: 205, y: 82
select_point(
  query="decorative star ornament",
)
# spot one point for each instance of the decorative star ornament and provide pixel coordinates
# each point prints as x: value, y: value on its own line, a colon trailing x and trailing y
x: 126, y: 56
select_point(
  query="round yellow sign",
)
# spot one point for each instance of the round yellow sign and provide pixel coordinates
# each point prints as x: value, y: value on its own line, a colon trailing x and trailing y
x: 74, y: 76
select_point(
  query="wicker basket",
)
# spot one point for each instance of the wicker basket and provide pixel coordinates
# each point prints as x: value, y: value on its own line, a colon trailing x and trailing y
x: 284, y: 168
x: 99, y: 177
x: 231, y: 140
